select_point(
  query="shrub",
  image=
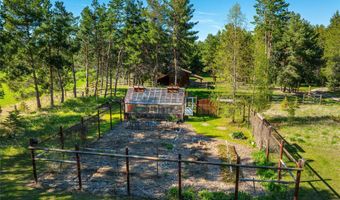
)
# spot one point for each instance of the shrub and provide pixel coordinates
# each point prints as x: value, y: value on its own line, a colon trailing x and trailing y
x: 290, y: 106
x: 207, y: 195
x: 23, y: 107
x: 188, y: 193
x: 167, y: 146
x: 238, y: 135
x: 13, y: 124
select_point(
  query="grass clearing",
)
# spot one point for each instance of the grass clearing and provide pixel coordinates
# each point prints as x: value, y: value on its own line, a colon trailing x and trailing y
x: 220, y: 128
x: 314, y: 133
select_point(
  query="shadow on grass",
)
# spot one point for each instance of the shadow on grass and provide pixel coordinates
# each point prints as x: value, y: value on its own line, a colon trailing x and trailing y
x: 302, y: 120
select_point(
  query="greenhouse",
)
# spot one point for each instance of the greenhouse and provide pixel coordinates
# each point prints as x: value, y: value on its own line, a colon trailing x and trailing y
x: 155, y: 103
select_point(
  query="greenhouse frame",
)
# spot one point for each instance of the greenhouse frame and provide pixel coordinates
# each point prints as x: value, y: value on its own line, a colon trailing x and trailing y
x: 154, y: 103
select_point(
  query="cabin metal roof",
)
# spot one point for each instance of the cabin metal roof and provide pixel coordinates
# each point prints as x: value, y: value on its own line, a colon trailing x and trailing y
x: 157, y: 96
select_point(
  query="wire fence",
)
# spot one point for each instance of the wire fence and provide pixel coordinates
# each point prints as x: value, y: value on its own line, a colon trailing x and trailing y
x: 124, y: 173
x: 276, y: 147
x: 88, y: 129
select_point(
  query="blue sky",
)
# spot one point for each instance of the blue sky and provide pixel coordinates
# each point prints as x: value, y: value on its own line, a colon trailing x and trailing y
x: 212, y: 14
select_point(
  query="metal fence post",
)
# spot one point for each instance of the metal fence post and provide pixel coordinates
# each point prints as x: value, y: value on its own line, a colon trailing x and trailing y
x: 127, y: 171
x: 32, y: 143
x: 98, y: 124
x: 61, y: 134
x: 78, y: 167
x: 157, y: 152
x: 120, y: 111
x: 297, y: 181
x: 180, y: 177
x: 237, y: 178
x: 280, y: 158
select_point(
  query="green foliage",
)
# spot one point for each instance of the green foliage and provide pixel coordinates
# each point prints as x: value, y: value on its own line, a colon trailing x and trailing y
x: 180, y: 27
x: 168, y: 146
x: 13, y: 125
x: 188, y: 193
x: 238, y: 135
x: 2, y: 92
x: 267, y: 174
x: 301, y: 61
x: 290, y: 106
x: 23, y: 107
x: 332, y: 55
x: 261, y: 79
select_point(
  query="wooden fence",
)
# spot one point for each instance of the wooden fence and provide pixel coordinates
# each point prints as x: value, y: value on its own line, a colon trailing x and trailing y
x: 206, y: 107
x: 268, y: 138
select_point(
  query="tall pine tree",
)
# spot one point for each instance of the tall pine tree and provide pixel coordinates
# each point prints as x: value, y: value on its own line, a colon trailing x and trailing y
x: 332, y: 52
x: 180, y: 13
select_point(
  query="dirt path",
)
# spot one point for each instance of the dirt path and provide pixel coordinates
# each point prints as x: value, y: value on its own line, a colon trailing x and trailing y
x: 107, y: 175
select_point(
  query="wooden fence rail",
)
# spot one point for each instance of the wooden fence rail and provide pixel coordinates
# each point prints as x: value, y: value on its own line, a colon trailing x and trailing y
x: 279, y: 142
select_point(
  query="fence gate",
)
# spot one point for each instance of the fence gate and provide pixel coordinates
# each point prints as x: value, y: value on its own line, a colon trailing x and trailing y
x: 190, y: 106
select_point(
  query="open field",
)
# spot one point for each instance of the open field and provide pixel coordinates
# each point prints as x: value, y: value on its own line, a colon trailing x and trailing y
x: 315, y: 134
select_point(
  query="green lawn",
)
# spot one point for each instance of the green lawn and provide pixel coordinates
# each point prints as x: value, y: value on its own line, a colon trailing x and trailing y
x: 16, y: 170
x: 220, y: 128
x: 315, y: 134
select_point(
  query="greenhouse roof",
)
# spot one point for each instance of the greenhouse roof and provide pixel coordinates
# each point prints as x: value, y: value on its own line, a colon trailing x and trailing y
x: 159, y: 96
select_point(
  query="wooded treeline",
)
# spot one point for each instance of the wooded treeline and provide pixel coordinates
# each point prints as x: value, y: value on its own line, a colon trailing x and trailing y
x: 284, y: 49
x: 47, y: 47
x: 44, y: 45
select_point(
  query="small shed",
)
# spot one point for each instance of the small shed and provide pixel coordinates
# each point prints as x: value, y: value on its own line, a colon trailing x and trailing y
x: 155, y: 103
x: 183, y: 77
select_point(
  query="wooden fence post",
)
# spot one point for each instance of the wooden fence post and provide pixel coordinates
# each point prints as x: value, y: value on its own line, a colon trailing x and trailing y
x: 61, y: 134
x: 303, y: 98
x: 78, y: 167
x: 297, y: 181
x: 179, y: 177
x: 268, y: 143
x: 98, y: 124
x: 280, y: 158
x: 127, y: 171
x: 110, y: 117
x: 320, y: 101
x: 32, y: 143
x: 237, y: 178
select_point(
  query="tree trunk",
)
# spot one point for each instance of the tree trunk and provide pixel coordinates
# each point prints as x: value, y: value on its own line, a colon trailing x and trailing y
x: 61, y: 85
x: 234, y: 74
x: 37, y: 94
x: 97, y: 77
x: 87, y: 72
x: 175, y: 63
x: 36, y: 88
x: 51, y: 87
x: 107, y: 69
x: 74, y: 79
x: 101, y: 75
x: 117, y: 72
